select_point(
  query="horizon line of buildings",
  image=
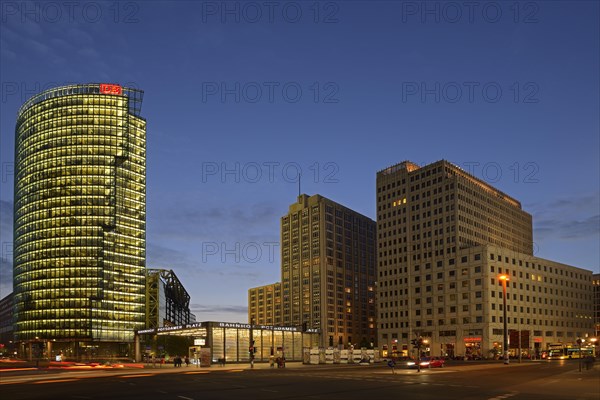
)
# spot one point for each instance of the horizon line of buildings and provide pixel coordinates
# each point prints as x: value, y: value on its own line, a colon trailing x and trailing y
x: 443, y: 238
x: 426, y: 267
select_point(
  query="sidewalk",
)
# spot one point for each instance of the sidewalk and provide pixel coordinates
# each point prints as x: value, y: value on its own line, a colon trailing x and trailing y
x: 246, y: 366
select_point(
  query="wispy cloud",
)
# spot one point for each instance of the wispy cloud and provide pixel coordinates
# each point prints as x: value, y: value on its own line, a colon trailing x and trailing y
x: 161, y: 256
x: 215, y: 308
x: 568, y: 218
x: 253, y: 215
x: 6, y: 275
x: 573, y: 229
x: 6, y: 220
x: 215, y: 223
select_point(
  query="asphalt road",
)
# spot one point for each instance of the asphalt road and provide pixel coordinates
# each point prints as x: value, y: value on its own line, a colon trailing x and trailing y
x: 531, y: 381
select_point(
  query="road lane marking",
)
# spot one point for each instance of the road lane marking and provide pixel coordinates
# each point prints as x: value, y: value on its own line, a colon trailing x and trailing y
x: 15, y: 369
x: 503, y: 396
x: 135, y: 376
x: 197, y: 372
x: 185, y: 398
x: 56, y: 381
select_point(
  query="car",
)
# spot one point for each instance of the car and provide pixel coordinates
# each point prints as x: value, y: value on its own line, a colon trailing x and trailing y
x: 428, y: 362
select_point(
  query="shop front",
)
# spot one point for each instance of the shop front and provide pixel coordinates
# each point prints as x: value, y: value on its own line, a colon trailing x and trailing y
x: 447, y: 350
x: 473, y: 348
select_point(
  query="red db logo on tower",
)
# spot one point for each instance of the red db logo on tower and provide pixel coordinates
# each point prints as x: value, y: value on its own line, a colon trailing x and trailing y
x: 107, y: 88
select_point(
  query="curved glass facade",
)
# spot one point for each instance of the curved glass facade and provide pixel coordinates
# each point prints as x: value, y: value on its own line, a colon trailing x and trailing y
x: 80, y: 215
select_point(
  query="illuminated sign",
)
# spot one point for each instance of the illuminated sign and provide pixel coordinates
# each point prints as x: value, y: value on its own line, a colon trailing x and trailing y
x: 169, y: 328
x: 472, y: 339
x: 199, y: 342
x: 107, y: 88
x: 234, y: 325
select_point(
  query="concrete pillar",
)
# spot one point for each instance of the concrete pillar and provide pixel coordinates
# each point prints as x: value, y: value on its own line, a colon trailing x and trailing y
x: 49, y: 349
x: 137, y: 351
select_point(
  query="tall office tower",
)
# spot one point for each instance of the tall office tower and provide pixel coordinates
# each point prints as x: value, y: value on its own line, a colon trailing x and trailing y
x: 328, y: 271
x: 264, y: 304
x: 444, y: 236
x: 596, y: 295
x: 80, y: 220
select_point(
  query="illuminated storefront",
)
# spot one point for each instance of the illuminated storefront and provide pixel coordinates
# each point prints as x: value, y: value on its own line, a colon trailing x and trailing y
x: 473, y: 347
x: 231, y: 342
x: 80, y: 219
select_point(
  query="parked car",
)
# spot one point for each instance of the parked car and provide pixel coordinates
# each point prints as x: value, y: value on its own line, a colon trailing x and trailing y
x: 428, y: 362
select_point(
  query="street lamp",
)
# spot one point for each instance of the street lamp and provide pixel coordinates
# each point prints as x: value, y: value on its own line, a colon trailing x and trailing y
x: 504, y: 278
x: 580, y: 341
x: 252, y: 342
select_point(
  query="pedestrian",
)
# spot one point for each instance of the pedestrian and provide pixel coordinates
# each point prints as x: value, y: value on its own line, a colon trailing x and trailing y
x: 589, y: 362
x: 392, y: 365
x: 187, y: 361
x: 271, y: 361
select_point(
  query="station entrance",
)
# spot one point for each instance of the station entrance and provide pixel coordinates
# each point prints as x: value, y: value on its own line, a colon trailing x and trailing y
x: 224, y: 342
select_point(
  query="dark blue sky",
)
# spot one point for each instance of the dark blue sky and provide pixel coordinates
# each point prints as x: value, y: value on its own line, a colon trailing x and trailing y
x: 338, y: 90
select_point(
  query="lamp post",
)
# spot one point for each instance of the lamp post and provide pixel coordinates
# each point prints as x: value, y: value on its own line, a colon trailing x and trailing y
x: 504, y: 278
x: 579, y: 343
x: 252, y: 342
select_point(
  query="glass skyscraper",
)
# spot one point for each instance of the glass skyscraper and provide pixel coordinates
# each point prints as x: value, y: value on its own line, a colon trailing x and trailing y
x: 80, y: 219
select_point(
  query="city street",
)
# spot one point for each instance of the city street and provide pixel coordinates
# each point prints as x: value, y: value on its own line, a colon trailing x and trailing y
x: 490, y: 381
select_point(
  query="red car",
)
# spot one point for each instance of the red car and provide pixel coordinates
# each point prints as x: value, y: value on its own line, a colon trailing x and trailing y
x: 428, y: 362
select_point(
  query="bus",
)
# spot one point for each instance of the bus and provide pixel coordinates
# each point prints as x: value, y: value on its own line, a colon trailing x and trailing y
x: 565, y: 352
